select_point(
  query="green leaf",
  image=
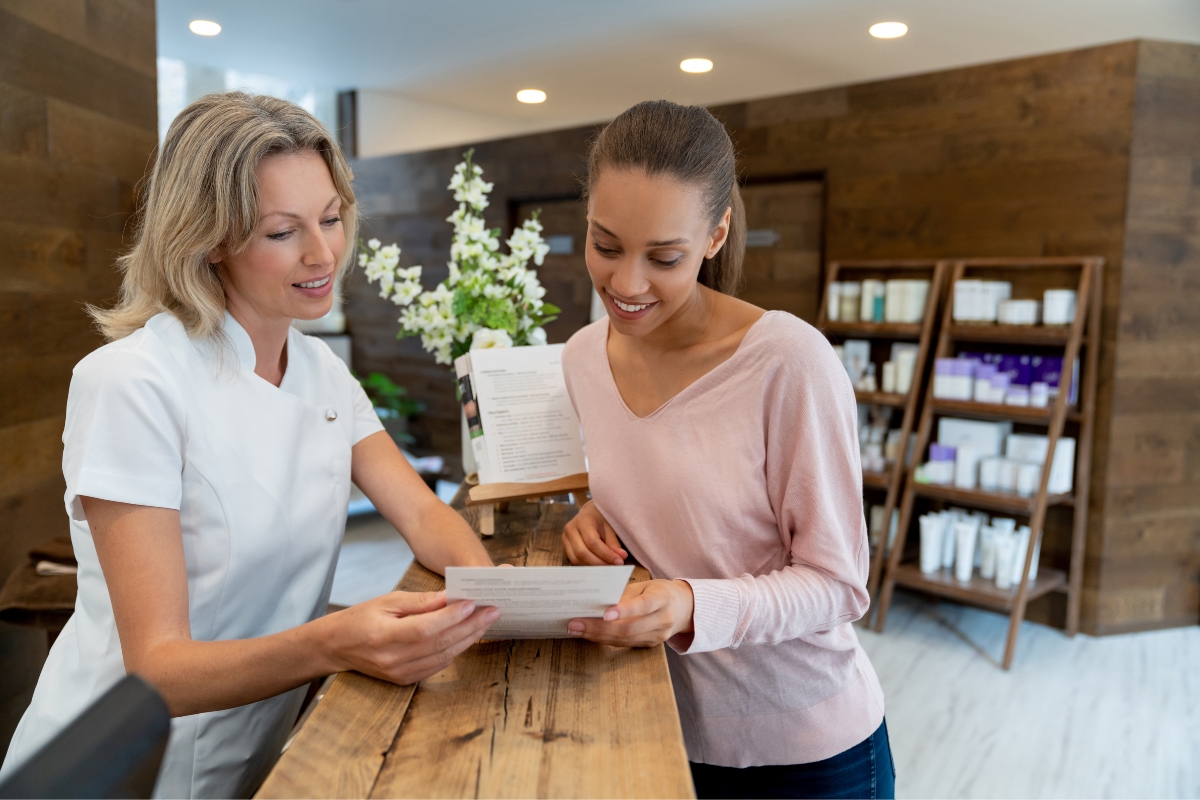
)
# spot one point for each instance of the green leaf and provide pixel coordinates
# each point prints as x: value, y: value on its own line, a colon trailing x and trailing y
x: 488, y: 312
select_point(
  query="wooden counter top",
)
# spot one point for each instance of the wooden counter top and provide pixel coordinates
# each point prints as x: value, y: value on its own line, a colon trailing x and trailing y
x: 544, y: 718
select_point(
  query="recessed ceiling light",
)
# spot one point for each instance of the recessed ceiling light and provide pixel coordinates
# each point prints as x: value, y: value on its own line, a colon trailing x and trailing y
x: 888, y: 30
x: 531, y: 96
x: 204, y: 27
x: 695, y: 65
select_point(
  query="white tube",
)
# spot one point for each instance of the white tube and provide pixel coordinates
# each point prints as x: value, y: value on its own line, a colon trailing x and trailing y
x: 1021, y: 537
x: 1005, y: 544
x: 987, y: 552
x: 931, y: 544
x: 964, y: 557
x: 947, y: 539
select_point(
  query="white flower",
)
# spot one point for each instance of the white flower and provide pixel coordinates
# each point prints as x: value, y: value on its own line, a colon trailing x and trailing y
x: 536, y: 337
x: 374, y: 244
x: 406, y: 292
x: 487, y: 338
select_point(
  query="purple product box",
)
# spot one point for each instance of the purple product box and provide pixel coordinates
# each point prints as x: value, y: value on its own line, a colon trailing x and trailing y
x: 1018, y: 368
x: 983, y: 358
x: 985, y: 371
x: 953, y: 366
x: 1048, y: 370
x: 941, y: 452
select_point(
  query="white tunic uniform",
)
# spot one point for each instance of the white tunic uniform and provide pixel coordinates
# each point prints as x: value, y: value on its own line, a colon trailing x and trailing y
x: 260, y: 476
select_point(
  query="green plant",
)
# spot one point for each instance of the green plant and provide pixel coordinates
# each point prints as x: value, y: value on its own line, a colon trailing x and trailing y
x: 489, y: 299
x: 390, y: 400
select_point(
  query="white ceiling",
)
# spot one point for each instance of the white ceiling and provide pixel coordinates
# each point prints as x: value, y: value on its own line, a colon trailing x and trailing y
x: 596, y: 57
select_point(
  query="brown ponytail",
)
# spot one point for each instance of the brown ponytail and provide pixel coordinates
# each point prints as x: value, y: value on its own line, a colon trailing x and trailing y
x: 689, y: 144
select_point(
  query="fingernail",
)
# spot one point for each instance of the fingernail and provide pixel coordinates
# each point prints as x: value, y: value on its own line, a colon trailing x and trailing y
x: 610, y: 615
x: 575, y: 627
x: 575, y: 633
x: 618, y: 561
x: 467, y: 608
x: 492, y: 615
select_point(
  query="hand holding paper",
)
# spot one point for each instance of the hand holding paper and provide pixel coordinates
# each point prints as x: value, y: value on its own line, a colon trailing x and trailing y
x: 538, y: 602
x: 650, y: 612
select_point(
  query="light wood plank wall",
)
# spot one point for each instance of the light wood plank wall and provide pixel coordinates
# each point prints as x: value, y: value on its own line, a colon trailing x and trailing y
x: 78, y: 124
x: 1024, y: 157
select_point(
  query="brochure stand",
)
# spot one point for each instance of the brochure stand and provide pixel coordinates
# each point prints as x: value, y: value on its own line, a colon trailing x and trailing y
x: 493, y: 497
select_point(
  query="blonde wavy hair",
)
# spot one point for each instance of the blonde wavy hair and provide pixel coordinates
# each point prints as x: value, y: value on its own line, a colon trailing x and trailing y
x: 201, y: 195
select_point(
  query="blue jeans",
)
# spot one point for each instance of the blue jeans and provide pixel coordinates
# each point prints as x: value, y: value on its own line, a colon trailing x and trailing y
x: 864, y: 771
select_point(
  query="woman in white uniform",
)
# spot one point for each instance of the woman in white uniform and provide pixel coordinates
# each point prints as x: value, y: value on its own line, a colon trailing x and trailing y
x: 209, y: 449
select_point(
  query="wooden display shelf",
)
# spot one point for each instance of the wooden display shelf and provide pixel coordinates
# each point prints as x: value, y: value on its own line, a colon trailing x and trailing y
x: 891, y: 480
x: 886, y: 330
x: 977, y: 590
x: 994, y: 411
x: 953, y: 338
x: 993, y: 501
x: 876, y: 480
x: 893, y: 399
x: 1048, y: 336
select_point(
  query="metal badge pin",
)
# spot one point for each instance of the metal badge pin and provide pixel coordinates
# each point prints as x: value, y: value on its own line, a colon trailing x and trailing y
x: 330, y: 414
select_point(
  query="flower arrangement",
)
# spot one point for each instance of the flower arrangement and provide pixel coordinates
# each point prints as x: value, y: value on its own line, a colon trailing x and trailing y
x: 490, y: 299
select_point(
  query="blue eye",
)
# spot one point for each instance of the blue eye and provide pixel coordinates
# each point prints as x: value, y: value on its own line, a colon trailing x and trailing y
x: 279, y: 237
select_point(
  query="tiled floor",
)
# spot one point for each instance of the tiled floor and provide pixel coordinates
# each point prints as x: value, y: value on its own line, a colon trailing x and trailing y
x: 1116, y: 716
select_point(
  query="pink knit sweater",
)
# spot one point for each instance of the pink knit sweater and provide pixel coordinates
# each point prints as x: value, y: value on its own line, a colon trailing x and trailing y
x: 747, y: 485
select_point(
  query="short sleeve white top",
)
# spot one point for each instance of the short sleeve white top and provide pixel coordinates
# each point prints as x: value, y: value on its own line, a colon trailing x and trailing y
x: 260, y: 476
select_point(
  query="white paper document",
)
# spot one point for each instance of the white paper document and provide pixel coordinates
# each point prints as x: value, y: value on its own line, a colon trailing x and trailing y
x: 530, y: 431
x: 538, y: 602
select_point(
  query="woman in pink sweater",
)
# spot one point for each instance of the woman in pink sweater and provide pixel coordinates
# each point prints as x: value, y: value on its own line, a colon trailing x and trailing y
x: 723, y: 453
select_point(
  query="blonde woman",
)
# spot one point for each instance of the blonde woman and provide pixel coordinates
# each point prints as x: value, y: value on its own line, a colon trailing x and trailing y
x: 209, y: 449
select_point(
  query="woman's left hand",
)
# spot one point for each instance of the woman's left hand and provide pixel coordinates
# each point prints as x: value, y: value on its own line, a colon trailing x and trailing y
x: 650, y: 612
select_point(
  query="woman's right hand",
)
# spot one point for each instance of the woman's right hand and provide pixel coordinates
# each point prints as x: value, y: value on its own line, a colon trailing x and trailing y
x: 588, y: 539
x: 404, y: 637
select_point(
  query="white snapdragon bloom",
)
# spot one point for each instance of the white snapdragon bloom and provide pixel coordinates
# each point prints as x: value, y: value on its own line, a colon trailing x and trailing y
x: 536, y: 337
x: 374, y: 244
x: 488, y: 338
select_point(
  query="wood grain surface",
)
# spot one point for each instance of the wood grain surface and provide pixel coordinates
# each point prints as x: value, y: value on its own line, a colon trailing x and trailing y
x: 539, y: 718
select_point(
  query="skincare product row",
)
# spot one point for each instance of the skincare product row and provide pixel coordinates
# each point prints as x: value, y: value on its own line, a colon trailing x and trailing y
x: 877, y: 301
x: 1015, y: 380
x: 966, y: 541
x: 879, y: 443
x: 972, y: 454
x: 989, y: 302
x: 894, y: 375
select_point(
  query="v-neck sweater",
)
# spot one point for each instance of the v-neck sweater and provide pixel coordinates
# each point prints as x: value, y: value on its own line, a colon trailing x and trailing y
x: 747, y: 485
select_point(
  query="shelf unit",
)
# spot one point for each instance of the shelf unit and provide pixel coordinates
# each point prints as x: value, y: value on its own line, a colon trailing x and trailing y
x: 922, y: 333
x: 1029, y: 277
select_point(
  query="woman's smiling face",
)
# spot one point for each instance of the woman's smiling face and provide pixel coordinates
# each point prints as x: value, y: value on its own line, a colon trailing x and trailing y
x: 648, y: 236
x: 289, y: 267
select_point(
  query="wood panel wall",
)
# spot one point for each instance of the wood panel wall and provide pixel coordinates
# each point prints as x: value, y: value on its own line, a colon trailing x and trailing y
x: 1145, y: 558
x: 1017, y: 158
x: 78, y: 122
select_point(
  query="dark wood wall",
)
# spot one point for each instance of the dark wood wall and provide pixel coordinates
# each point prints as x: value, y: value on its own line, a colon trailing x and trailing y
x: 78, y: 122
x: 1027, y: 157
x: 1146, y: 557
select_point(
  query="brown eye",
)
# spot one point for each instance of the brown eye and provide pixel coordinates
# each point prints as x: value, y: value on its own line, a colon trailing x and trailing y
x: 671, y: 259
